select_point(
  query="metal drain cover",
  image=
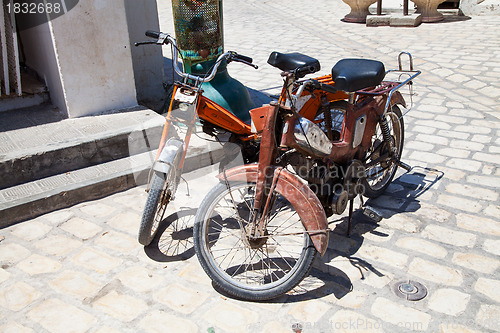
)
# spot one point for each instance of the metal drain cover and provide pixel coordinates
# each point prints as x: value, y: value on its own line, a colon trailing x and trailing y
x: 410, y: 290
x: 297, y: 328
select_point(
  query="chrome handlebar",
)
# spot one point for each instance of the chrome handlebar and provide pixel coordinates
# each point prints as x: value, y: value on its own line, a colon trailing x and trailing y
x: 163, y: 39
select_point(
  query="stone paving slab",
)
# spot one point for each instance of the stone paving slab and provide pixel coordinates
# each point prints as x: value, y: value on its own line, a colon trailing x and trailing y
x: 85, y: 261
x: 440, y: 223
x: 73, y: 131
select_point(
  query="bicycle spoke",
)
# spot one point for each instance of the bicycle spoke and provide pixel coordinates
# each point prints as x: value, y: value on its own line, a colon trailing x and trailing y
x: 257, y: 262
x: 231, y: 250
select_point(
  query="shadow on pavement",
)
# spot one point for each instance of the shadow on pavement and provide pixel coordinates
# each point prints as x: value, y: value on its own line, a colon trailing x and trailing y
x: 316, y: 285
x: 342, y: 248
x: 324, y: 279
x: 174, y: 239
x: 30, y: 117
x: 453, y: 16
x: 402, y: 195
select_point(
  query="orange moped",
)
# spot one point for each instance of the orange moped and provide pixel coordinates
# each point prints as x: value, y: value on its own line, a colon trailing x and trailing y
x: 189, y: 107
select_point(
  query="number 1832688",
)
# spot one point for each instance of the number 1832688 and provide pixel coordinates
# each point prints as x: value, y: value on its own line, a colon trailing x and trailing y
x: 34, y: 8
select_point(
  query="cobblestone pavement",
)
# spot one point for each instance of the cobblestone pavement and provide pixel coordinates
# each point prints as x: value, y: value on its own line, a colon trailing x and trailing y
x: 81, y: 269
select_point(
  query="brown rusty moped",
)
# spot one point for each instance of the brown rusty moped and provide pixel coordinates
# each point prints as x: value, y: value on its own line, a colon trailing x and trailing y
x: 189, y: 106
x: 258, y: 231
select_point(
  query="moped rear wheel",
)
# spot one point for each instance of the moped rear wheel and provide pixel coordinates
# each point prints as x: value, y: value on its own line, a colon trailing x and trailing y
x: 154, y: 210
x: 251, y: 269
x: 380, y: 175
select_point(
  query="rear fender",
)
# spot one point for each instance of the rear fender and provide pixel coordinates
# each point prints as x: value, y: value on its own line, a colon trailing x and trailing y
x: 397, y: 98
x: 304, y: 200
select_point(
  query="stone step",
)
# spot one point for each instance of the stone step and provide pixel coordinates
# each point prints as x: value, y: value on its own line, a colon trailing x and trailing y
x: 14, y: 102
x: 34, y: 93
x: 31, y: 199
x: 36, y: 152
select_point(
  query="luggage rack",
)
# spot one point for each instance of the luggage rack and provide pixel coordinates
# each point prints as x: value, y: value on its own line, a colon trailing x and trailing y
x: 391, y: 86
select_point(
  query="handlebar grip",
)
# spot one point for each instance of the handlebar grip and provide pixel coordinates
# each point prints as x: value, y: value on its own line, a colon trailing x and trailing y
x: 316, y: 85
x: 244, y: 58
x: 328, y: 88
x: 153, y: 34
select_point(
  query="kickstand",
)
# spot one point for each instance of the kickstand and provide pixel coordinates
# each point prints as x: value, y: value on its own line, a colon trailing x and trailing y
x: 187, y: 186
x: 349, y: 218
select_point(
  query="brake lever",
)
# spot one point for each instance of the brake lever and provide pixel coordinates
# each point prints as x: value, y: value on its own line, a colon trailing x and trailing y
x: 231, y: 58
x: 160, y: 41
x: 162, y: 38
x: 146, y: 42
x: 249, y: 64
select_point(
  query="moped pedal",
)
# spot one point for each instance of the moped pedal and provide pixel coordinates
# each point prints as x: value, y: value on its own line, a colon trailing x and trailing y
x: 403, y: 165
x: 372, y: 213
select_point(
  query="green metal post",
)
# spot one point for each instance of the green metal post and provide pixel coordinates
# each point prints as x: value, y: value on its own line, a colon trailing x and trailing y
x: 200, y: 37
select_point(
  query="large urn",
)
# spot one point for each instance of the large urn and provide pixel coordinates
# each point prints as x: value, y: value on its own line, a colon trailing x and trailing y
x: 359, y: 10
x: 428, y: 9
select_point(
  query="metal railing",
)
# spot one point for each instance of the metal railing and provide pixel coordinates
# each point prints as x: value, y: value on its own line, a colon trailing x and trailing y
x: 10, y: 75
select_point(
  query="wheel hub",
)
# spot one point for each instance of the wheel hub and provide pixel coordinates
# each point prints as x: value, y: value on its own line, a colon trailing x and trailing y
x: 382, y: 149
x: 254, y: 242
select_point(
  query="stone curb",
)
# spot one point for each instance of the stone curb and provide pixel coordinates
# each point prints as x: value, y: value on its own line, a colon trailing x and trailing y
x: 57, y: 175
x: 65, y: 190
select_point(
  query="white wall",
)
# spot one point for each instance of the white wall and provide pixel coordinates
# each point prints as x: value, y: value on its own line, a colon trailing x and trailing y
x: 93, y: 51
x: 148, y: 59
x: 39, y: 51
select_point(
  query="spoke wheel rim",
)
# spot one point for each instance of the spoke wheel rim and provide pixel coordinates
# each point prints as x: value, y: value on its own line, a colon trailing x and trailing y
x: 242, y: 264
x: 387, y: 171
x: 162, y: 207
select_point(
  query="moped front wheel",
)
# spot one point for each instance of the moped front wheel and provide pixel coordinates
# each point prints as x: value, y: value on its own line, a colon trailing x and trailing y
x: 251, y: 268
x: 156, y: 204
x: 380, y: 174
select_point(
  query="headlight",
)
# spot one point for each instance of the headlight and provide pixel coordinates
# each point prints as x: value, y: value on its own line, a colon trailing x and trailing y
x: 183, y: 107
x: 311, y: 138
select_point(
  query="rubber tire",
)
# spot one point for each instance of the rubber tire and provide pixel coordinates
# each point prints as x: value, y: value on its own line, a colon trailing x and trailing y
x: 372, y: 193
x: 150, y: 209
x: 338, y: 105
x: 306, y: 259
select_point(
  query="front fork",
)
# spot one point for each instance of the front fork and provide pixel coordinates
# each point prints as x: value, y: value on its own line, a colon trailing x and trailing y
x: 266, y: 176
x: 172, y: 151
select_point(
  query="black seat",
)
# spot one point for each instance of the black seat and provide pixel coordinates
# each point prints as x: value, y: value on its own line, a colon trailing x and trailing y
x: 355, y: 74
x: 295, y: 62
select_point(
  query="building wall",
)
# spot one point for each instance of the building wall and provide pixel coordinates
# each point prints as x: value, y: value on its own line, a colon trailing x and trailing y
x: 93, y: 51
x: 147, y: 60
x: 88, y: 60
x: 39, y: 52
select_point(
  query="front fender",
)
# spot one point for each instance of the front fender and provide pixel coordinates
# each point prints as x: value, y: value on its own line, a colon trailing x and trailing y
x: 169, y: 155
x: 305, y: 202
